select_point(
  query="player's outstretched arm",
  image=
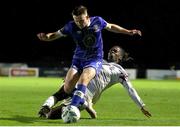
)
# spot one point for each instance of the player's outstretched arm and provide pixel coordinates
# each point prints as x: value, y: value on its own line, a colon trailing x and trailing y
x: 146, y: 112
x: 49, y: 36
x: 118, y: 29
x: 135, y: 97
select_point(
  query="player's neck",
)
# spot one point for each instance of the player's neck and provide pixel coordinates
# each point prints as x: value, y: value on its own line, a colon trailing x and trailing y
x: 89, y: 22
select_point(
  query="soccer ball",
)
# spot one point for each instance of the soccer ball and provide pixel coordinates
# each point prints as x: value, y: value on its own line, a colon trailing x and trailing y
x: 70, y: 114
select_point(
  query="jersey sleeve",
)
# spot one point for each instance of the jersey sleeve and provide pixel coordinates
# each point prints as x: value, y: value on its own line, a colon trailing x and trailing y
x: 66, y: 29
x: 103, y: 23
x: 130, y: 89
x: 133, y: 94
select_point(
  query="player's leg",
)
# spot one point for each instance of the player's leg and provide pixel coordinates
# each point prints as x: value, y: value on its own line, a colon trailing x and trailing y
x: 56, y: 112
x: 52, y: 100
x: 70, y: 81
x: 78, y: 96
x: 86, y: 76
x: 88, y: 106
x: 91, y: 68
x: 61, y: 94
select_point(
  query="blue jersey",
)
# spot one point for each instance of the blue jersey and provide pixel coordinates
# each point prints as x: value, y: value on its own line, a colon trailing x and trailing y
x: 88, y: 40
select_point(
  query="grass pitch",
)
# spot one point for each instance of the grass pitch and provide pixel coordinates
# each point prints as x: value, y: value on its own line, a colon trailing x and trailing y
x: 21, y: 98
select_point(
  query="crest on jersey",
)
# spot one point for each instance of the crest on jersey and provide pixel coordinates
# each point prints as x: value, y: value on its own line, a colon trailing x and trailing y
x: 96, y: 28
x: 89, y: 40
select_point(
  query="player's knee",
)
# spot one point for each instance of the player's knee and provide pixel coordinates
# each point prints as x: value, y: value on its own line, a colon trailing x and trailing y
x: 85, y: 79
x: 68, y: 89
x: 87, y: 75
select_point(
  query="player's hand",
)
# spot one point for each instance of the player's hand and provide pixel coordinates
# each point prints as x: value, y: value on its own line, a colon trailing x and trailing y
x: 145, y: 112
x: 42, y: 36
x: 136, y: 32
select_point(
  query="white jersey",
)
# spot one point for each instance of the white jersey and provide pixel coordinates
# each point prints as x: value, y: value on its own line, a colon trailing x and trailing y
x: 110, y: 74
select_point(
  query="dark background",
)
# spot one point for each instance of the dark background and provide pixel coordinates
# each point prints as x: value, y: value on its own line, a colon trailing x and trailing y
x: 157, y: 19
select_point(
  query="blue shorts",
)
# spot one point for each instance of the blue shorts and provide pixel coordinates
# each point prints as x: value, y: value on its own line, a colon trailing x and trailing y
x: 79, y: 65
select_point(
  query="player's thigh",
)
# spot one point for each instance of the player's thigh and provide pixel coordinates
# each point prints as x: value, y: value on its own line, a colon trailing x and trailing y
x: 87, y: 74
x: 71, y: 79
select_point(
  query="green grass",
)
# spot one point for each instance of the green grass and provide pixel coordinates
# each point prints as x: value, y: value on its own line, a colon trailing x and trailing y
x: 21, y: 98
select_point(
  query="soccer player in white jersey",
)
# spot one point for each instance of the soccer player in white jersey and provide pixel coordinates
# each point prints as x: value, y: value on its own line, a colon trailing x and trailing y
x: 111, y: 73
x: 87, y: 60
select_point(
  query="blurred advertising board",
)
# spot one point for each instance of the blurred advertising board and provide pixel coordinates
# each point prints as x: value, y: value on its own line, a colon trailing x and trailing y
x: 23, y: 72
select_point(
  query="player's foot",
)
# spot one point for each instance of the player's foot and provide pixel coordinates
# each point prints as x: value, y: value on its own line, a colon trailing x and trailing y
x: 89, y: 108
x: 44, y: 111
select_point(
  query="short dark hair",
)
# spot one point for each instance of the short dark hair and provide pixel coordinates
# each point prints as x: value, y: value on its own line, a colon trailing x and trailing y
x: 79, y: 10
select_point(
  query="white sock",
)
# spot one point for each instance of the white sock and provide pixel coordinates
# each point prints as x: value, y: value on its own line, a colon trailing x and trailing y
x: 85, y: 104
x: 51, y: 101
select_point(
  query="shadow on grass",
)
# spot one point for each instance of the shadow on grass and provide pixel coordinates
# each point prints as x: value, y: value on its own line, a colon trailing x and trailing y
x: 22, y: 119
x: 121, y: 119
x: 115, y: 119
x: 25, y: 119
x: 86, y: 118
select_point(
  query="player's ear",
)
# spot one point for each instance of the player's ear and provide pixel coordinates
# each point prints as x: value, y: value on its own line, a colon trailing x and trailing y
x: 87, y: 16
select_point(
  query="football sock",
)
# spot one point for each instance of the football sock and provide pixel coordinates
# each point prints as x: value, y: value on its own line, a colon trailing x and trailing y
x: 78, y: 96
x: 61, y: 94
x: 51, y: 101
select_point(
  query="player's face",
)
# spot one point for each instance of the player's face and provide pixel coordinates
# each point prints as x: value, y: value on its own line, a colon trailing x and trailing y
x: 81, y: 20
x: 114, y: 54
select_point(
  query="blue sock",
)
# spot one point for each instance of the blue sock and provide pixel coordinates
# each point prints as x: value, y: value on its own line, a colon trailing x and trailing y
x: 78, y: 96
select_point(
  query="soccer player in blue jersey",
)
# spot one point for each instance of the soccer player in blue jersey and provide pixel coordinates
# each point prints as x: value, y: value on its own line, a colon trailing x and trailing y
x: 88, y: 56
